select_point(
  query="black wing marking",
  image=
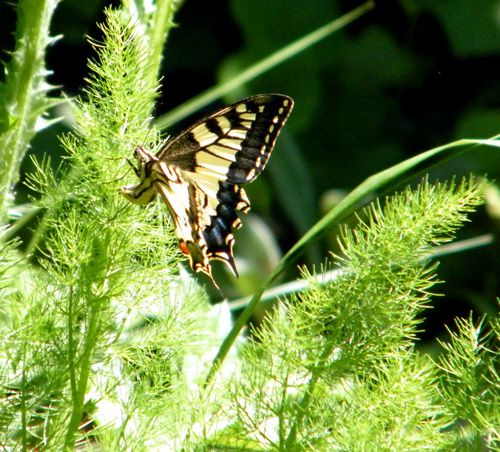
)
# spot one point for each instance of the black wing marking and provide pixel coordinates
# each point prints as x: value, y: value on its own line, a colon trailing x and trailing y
x: 234, y: 144
x: 203, y: 223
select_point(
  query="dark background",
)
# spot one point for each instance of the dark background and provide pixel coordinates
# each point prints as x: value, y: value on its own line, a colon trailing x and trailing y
x: 406, y: 77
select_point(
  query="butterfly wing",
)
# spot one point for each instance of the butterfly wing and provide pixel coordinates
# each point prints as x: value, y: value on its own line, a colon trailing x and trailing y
x: 203, y: 223
x: 201, y: 172
x: 234, y: 144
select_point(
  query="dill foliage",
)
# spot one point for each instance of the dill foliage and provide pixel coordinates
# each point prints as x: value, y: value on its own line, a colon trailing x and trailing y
x: 106, y: 343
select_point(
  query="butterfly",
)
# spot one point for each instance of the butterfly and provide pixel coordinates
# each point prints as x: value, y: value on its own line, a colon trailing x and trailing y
x: 200, y: 175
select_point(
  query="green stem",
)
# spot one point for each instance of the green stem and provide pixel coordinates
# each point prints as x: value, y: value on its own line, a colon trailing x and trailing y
x: 304, y: 403
x: 24, y: 388
x: 24, y: 90
x: 162, y: 23
x: 79, y: 388
x: 72, y: 372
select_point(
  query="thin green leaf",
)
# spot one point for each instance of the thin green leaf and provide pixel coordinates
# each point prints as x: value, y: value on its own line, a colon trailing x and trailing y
x: 262, y: 66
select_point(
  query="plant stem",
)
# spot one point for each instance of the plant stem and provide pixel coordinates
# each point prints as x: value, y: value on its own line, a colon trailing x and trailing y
x: 24, y: 102
x: 79, y: 387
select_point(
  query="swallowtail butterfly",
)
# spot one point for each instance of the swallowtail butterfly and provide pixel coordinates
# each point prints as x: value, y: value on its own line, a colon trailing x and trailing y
x: 200, y: 174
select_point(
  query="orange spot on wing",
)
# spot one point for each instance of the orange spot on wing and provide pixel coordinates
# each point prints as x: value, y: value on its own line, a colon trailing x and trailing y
x: 184, y: 248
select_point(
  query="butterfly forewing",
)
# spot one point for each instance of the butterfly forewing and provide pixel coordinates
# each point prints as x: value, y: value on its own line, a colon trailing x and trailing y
x: 233, y: 144
x: 199, y: 174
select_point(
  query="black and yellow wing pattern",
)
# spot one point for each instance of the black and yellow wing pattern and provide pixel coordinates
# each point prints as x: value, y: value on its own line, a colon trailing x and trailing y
x: 200, y: 173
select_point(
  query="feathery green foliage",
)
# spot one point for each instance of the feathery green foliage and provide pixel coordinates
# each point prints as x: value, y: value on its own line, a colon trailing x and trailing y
x: 92, y: 282
x: 103, y: 343
x: 470, y: 384
x: 335, y: 368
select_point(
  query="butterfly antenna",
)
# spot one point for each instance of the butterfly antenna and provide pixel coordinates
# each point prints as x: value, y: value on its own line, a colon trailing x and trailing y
x: 134, y: 168
x: 120, y: 141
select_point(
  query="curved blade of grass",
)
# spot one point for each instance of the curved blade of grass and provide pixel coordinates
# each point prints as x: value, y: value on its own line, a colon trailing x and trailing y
x: 377, y: 182
x: 299, y: 285
x: 264, y: 65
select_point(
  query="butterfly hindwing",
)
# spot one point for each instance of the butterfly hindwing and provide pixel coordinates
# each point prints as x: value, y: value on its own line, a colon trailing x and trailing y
x: 203, y: 223
x: 199, y: 175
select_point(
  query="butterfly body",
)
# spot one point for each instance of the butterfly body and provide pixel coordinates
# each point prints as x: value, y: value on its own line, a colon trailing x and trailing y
x: 145, y: 191
x: 200, y: 173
